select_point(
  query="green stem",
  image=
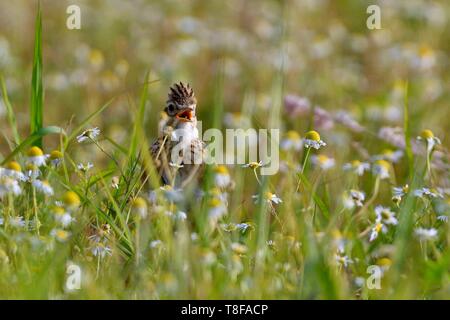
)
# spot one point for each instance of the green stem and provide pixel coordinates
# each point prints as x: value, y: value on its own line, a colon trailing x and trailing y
x: 303, y: 168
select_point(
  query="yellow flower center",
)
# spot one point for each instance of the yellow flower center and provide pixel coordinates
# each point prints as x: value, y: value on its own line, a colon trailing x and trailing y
x: 269, y: 195
x: 387, y: 152
x: 62, y: 234
x: 378, y: 227
x: 139, y: 203
x: 425, y: 51
x: 405, y: 188
x: 254, y: 165
x: 427, y: 134
x: 221, y: 170
x: 58, y: 210
x: 70, y: 198
x: 313, y: 135
x: 356, y: 163
x: 292, y: 135
x: 382, y: 163
x: 31, y: 167
x: 384, y: 262
x: 35, y: 152
x: 13, y: 165
x: 56, y: 154
x: 336, y: 234
x: 96, y: 57
x: 214, y: 202
x: 166, y: 188
x: 322, y: 158
x: 239, y: 248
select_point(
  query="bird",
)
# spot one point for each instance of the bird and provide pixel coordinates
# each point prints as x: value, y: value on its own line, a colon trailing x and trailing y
x: 178, y: 152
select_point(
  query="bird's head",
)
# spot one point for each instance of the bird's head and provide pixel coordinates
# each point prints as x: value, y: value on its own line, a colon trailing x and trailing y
x: 181, y: 103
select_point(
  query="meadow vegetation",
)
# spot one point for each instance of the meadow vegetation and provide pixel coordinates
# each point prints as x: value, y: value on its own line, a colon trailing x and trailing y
x: 364, y: 172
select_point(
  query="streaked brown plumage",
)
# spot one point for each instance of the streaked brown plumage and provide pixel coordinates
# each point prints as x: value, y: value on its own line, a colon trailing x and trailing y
x: 178, y: 151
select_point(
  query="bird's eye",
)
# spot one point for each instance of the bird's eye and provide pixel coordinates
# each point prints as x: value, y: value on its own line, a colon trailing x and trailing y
x: 170, y: 108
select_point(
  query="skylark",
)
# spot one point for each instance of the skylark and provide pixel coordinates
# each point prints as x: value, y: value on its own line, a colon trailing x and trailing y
x: 178, y: 151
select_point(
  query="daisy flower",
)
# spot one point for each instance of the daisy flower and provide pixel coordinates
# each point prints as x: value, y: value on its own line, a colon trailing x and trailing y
x: 357, y: 167
x: 344, y: 261
x: 400, y: 191
x: 32, y: 172
x: 101, y: 233
x: 222, y: 178
x: 101, y: 250
x: 89, y: 134
x: 71, y: 200
x: 56, y: 157
x: 242, y: 226
x: 323, y: 162
x: 171, y: 194
x: 85, y: 167
x: 426, y: 192
x: 291, y: 141
x: 385, y: 215
x: 62, y: 216
x: 357, y: 197
x: 217, y: 193
x: 139, y: 206
x: 338, y: 241
x: 377, y: 228
x: 253, y: 165
x: 384, y: 263
x: 217, y: 209
x: 312, y: 140
x: 389, y: 155
x: 60, y: 234
x: 36, y: 156
x: 43, y: 186
x: 381, y: 168
x: 9, y: 186
x: 239, y: 248
x: 236, y: 120
x: 13, y: 170
x: 426, y: 234
x: 429, y: 138
x: 442, y: 218
x: 269, y: 198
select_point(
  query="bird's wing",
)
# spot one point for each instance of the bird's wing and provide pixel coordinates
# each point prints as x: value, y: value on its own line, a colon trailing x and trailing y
x: 159, y: 153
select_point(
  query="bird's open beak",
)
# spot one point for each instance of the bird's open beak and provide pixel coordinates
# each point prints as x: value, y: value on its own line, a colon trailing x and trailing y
x: 185, y: 115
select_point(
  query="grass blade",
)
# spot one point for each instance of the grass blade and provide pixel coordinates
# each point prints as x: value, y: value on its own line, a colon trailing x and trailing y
x: 37, y: 97
x: 83, y: 123
x: 407, y: 130
x: 32, y: 139
x: 9, y: 111
x: 139, y: 120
